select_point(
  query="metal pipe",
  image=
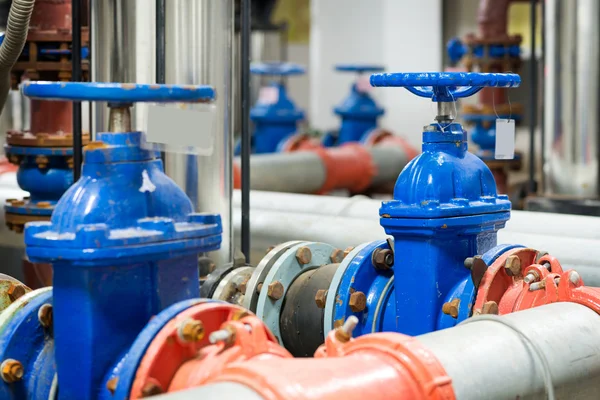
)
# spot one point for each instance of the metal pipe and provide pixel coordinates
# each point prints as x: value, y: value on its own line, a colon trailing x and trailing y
x: 323, y: 170
x: 494, y: 360
x: 199, y: 37
x: 362, y: 207
x: 268, y: 228
x: 245, y: 33
x: 76, y: 76
x: 533, y: 98
x: 551, y: 351
x: 572, y: 97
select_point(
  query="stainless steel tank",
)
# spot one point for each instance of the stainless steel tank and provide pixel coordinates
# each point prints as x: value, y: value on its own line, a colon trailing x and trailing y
x: 572, y: 91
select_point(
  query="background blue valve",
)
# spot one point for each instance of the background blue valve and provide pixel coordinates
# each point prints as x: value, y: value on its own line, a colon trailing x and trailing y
x: 359, y: 68
x: 117, y: 92
x: 445, y: 86
x: 277, y: 69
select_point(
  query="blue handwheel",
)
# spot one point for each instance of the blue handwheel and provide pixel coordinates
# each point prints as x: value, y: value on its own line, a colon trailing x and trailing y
x: 359, y: 68
x: 277, y: 69
x: 121, y: 93
x: 444, y: 86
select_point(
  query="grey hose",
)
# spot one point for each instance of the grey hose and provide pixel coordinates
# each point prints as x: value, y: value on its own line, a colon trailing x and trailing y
x: 14, y: 41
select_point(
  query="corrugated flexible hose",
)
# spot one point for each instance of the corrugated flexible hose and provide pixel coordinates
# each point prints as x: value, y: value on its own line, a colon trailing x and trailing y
x: 14, y: 40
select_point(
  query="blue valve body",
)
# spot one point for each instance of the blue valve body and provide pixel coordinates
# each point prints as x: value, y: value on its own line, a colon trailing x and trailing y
x: 359, y: 112
x: 445, y: 209
x: 123, y: 241
x: 275, y: 120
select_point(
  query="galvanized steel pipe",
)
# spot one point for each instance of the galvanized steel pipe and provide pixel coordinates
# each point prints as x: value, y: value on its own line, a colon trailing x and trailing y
x: 551, y: 351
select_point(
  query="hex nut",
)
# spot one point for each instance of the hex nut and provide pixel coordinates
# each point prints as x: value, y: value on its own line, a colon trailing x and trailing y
x: 512, y: 265
x: 243, y: 286
x: 15, y: 291
x: 259, y: 287
x: 45, y: 315
x: 321, y: 298
x: 11, y: 370
x: 347, y: 251
x: 451, y: 308
x: 337, y: 256
x: 275, y: 290
x: 151, y: 389
x: 358, y: 301
x: 489, y: 307
x: 191, y: 331
x: 303, y: 255
x: 383, y: 259
x: 111, y: 385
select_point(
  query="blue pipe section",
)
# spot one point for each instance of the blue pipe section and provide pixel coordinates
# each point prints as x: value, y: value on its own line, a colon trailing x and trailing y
x: 123, y: 241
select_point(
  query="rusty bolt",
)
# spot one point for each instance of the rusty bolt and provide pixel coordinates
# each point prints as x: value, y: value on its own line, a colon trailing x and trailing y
x: 11, y: 370
x: 451, y: 308
x: 303, y: 255
x: 489, y: 307
x: 337, y: 256
x: 111, y: 385
x: 348, y: 250
x: 151, y: 389
x: 383, y: 259
x: 259, y: 287
x: 42, y: 161
x: 243, y: 286
x: 70, y: 162
x: 275, y: 290
x: 15, y: 291
x: 18, y: 203
x: 512, y: 265
x: 321, y: 298
x: 191, y: 331
x: 358, y: 301
x: 18, y: 228
x: 44, y: 204
x: 45, y: 315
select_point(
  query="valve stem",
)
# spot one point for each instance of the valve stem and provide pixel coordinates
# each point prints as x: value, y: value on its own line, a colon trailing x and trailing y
x: 344, y: 332
x: 445, y: 111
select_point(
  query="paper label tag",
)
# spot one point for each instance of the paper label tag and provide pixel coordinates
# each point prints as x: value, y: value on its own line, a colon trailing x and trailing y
x: 268, y: 95
x: 183, y: 127
x: 505, y: 139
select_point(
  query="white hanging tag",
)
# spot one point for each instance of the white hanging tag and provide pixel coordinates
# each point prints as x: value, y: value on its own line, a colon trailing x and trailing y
x: 268, y: 95
x: 505, y: 139
x: 181, y: 127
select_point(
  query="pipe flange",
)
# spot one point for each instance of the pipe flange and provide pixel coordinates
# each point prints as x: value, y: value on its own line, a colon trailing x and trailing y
x: 260, y: 273
x: 361, y: 290
x: 26, y: 342
x: 233, y: 286
x: 296, y: 260
x: 213, y: 280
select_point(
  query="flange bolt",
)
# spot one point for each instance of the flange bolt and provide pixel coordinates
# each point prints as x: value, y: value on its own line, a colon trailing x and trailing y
x: 45, y: 315
x: 451, y: 308
x: 344, y: 332
x: 275, y: 290
x: 383, y: 259
x: 358, y: 301
x: 11, y: 370
x: 574, y: 277
x: 191, y: 331
x: 490, y: 307
x: 512, y: 265
x: 321, y: 298
x: 303, y: 255
x: 337, y: 256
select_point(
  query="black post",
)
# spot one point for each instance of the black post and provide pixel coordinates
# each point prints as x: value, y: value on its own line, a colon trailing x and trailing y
x: 533, y: 101
x: 160, y: 41
x: 76, y: 77
x: 245, y: 91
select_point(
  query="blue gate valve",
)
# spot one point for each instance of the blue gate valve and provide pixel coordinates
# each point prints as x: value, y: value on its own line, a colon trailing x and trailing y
x: 275, y: 116
x: 445, y: 207
x: 358, y: 111
x: 123, y: 240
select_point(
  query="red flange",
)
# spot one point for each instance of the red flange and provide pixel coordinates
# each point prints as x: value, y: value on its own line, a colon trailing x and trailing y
x: 381, y: 136
x: 349, y: 166
x: 522, y: 279
x: 181, y: 356
x: 300, y: 141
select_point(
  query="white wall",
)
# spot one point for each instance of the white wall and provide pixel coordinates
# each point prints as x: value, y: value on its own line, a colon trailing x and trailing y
x: 403, y: 35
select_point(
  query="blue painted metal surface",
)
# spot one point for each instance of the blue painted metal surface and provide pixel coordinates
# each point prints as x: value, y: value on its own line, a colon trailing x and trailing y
x: 358, y: 111
x: 361, y: 276
x: 456, y: 50
x: 47, y: 49
x: 123, y: 241
x: 275, y: 116
x: 24, y: 339
x: 445, y: 205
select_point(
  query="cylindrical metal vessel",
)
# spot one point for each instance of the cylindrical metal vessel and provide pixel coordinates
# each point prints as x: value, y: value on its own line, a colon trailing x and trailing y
x: 572, y: 94
x: 123, y: 50
x: 199, y: 38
